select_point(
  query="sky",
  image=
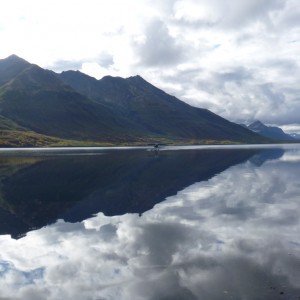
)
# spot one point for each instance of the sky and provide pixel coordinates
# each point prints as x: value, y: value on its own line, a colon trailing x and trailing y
x: 237, y: 58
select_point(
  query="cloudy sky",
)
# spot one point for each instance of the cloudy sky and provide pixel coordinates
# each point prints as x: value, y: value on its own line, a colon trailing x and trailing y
x: 238, y: 58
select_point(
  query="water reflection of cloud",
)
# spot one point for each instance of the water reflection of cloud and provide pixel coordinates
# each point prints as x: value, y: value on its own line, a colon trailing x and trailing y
x: 292, y: 156
x: 235, y: 236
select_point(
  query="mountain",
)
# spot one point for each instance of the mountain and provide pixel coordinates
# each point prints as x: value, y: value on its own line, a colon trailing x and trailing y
x: 40, y: 107
x: 153, y: 110
x: 295, y: 136
x: 11, y: 67
x: 271, y: 132
x: 36, y: 100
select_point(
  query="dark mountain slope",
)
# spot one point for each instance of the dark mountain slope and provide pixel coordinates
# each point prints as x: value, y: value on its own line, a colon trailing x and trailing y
x: 11, y: 67
x: 37, y: 100
x: 153, y: 110
x: 74, y: 106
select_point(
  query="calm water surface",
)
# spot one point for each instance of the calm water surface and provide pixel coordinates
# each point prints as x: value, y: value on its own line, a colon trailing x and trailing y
x: 186, y: 223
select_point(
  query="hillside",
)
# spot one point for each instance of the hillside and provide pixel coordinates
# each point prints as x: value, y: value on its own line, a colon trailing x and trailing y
x: 71, y: 107
x: 36, y: 100
x: 151, y: 109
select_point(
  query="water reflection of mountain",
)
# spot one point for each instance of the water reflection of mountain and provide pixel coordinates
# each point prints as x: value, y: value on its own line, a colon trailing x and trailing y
x: 265, y: 155
x: 37, y: 191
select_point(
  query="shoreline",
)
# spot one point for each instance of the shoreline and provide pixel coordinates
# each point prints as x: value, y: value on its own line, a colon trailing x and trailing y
x: 120, y: 148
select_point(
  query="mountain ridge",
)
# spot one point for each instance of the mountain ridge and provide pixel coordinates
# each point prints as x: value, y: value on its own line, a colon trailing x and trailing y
x: 135, y: 99
x: 272, y: 132
x: 73, y: 106
x: 10, y: 67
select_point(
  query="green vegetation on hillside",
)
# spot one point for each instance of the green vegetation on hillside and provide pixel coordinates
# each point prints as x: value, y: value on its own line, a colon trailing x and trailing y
x: 41, y: 108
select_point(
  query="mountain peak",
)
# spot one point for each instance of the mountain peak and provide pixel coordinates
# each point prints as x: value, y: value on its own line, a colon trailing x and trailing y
x: 14, y: 59
x: 257, y: 125
x: 137, y: 79
x: 10, y: 67
x: 76, y: 74
x: 13, y: 56
x: 269, y: 131
x: 257, y: 122
x: 72, y: 105
x: 109, y: 77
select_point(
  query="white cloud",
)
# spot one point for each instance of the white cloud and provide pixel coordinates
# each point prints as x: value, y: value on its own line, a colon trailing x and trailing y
x: 200, y: 51
x: 292, y: 128
x: 184, y: 247
x: 159, y: 48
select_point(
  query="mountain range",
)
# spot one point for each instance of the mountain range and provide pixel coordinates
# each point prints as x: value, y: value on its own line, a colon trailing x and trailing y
x: 296, y: 136
x: 39, y: 107
x: 272, y: 132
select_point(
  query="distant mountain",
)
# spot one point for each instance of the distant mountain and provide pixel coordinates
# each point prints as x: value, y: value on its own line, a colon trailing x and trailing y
x: 38, y: 106
x: 295, y: 136
x: 271, y: 132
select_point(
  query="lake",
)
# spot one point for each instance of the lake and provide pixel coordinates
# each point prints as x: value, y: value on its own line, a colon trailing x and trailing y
x: 194, y: 222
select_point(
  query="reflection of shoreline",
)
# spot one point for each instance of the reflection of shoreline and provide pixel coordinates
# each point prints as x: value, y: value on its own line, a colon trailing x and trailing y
x: 76, y: 187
